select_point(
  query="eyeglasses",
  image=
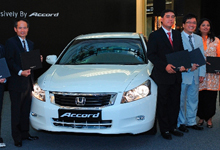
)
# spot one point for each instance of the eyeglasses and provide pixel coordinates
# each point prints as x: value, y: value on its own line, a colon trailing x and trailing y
x: 188, y: 22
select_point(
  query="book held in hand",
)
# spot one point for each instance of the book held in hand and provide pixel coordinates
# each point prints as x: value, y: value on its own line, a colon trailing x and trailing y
x: 31, y: 60
x: 213, y: 64
x: 4, y: 71
x: 178, y: 59
x: 196, y: 57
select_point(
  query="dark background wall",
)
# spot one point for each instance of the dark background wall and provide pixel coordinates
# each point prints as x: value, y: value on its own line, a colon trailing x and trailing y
x: 72, y: 18
x: 211, y: 9
x: 205, y: 9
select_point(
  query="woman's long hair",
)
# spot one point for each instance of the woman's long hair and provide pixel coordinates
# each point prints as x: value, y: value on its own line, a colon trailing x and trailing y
x: 211, y: 34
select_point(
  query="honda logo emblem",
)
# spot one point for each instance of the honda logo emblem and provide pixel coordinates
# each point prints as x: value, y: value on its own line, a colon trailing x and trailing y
x: 80, y: 101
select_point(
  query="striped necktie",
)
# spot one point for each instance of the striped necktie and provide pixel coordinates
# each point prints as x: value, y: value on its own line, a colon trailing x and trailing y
x: 190, y: 41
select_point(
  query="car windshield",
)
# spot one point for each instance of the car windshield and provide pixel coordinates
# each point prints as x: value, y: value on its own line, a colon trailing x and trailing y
x: 104, y: 51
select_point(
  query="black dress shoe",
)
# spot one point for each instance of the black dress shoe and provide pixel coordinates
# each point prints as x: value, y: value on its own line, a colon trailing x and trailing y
x: 32, y: 138
x: 176, y: 133
x: 18, y: 144
x: 195, y: 127
x: 183, y: 128
x: 2, y: 144
x: 166, y: 135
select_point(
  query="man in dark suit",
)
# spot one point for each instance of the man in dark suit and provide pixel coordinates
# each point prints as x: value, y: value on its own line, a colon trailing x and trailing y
x: 2, y: 81
x: 20, y: 84
x: 161, y: 42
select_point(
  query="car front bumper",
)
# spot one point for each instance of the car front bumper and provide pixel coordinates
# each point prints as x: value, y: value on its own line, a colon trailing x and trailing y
x: 134, y: 117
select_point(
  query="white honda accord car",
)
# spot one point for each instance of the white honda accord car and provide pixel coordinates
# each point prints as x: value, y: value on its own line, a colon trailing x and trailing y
x: 99, y: 84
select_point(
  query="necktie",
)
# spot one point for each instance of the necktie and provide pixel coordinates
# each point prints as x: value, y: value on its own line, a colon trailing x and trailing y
x: 190, y: 41
x: 24, y: 45
x: 171, y: 42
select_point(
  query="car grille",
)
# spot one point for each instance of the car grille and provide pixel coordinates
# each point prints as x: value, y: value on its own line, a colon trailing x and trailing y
x: 91, y: 100
x: 104, y: 124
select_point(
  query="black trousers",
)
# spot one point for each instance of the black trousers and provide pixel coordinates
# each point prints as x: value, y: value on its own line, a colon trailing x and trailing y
x: 168, y: 105
x: 207, y: 104
x: 1, y: 103
x: 20, y: 110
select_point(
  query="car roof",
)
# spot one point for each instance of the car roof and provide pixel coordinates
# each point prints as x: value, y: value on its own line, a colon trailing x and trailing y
x: 109, y: 35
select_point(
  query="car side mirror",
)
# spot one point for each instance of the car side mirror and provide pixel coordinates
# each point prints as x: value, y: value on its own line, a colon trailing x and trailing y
x: 51, y: 59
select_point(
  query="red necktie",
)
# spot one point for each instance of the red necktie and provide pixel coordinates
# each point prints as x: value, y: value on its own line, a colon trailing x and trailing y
x: 171, y: 42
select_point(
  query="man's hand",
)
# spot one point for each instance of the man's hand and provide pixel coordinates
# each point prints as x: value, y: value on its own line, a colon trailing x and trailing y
x: 194, y: 67
x: 182, y: 69
x: 26, y: 73
x: 201, y: 79
x: 2, y: 80
x: 169, y: 68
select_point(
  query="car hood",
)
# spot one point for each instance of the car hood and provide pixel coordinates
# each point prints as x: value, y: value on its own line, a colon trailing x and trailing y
x: 92, y: 78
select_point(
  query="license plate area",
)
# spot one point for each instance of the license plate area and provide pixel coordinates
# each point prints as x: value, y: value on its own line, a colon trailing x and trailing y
x: 79, y: 115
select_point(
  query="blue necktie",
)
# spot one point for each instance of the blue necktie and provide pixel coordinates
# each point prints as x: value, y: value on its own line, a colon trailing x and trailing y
x: 190, y: 41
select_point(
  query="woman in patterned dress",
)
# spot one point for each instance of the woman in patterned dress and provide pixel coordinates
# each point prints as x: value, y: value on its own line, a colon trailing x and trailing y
x: 209, y: 87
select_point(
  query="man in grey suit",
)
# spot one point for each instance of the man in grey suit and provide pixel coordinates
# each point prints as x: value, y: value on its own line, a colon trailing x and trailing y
x: 191, y: 78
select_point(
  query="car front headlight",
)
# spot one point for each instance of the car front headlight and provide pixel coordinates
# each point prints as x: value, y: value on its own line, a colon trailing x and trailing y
x: 38, y: 92
x: 137, y: 93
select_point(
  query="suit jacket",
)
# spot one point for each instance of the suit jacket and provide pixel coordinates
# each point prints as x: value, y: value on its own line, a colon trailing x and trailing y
x: 2, y: 55
x: 2, y: 51
x: 157, y: 48
x: 187, y: 77
x: 13, y: 49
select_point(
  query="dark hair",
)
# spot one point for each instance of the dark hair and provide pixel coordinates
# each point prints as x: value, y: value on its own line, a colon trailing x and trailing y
x: 188, y: 16
x: 166, y: 11
x: 211, y: 34
x: 20, y: 19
